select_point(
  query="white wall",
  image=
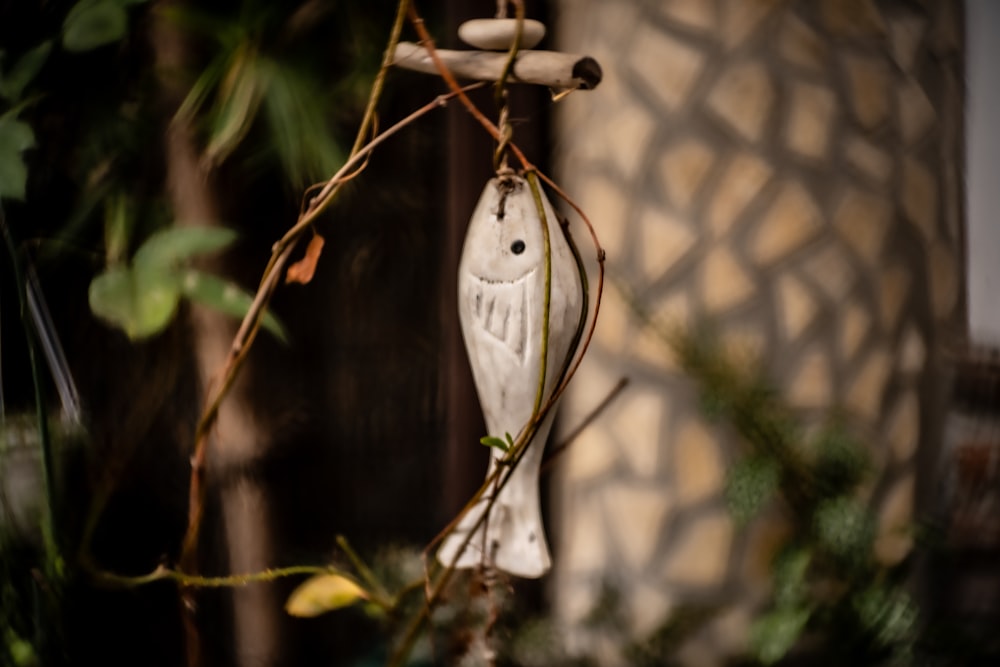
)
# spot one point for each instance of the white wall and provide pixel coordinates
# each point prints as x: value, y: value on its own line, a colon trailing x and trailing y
x: 983, y: 169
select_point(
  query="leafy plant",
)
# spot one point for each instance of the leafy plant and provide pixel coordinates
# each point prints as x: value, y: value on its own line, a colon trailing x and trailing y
x: 253, y: 74
x: 140, y: 298
x: 498, y: 443
x: 752, y: 482
x: 14, y: 81
x: 16, y: 136
x: 826, y: 581
x: 91, y: 24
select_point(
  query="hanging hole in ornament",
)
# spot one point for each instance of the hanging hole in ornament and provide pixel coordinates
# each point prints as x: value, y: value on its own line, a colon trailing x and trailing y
x: 517, y: 247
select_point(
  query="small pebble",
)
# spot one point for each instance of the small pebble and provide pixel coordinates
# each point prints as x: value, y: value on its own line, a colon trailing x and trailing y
x: 498, y: 34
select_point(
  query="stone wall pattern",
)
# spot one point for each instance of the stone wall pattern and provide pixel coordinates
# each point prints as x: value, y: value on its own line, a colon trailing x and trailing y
x: 790, y: 170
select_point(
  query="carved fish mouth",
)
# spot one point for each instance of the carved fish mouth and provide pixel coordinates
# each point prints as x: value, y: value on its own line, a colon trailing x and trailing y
x: 500, y: 309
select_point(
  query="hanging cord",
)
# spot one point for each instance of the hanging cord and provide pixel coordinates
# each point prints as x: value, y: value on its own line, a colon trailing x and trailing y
x: 500, y: 165
x: 500, y: 96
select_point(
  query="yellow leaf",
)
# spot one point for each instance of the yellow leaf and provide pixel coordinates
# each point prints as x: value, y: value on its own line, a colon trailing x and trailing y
x: 323, y: 593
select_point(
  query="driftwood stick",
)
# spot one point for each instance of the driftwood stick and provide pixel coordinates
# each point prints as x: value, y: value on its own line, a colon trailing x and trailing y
x: 546, y: 68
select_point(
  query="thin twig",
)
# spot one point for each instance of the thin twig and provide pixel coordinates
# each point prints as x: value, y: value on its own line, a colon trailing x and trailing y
x: 163, y: 573
x: 601, y: 257
x: 365, y: 572
x: 376, y: 592
x: 536, y: 195
x: 560, y: 449
x: 508, y: 67
x: 250, y: 325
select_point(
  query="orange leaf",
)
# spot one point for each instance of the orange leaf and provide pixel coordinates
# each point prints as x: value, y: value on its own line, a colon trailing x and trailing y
x: 302, y: 271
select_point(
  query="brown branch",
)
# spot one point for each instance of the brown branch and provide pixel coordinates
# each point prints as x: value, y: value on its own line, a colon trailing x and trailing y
x: 251, y: 322
x: 561, y: 448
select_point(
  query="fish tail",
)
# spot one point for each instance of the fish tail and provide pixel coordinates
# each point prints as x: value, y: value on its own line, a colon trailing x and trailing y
x: 512, y: 538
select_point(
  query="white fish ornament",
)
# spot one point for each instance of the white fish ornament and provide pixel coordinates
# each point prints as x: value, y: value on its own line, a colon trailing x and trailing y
x: 501, y: 305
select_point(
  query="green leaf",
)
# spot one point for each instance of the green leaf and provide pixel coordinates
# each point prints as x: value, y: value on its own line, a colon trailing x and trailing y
x: 140, y: 302
x: 174, y: 245
x: 775, y: 633
x: 94, y: 23
x: 841, y: 461
x: 751, y: 483
x: 297, y: 114
x: 200, y: 91
x: 117, y: 227
x: 713, y: 405
x: 322, y: 593
x: 240, y: 95
x: 845, y: 528
x: 13, y: 176
x: 21, y: 651
x: 889, y: 614
x: 15, y: 137
x: 222, y: 28
x: 790, y: 569
x: 226, y: 297
x: 24, y: 70
x: 496, y: 443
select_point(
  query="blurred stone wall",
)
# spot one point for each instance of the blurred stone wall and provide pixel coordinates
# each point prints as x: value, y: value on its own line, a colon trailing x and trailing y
x: 789, y: 170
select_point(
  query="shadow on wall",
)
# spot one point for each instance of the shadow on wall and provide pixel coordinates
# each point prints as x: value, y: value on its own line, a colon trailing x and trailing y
x: 789, y: 172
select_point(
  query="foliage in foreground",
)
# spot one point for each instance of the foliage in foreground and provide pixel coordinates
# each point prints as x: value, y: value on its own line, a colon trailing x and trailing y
x: 829, y: 591
x: 85, y: 104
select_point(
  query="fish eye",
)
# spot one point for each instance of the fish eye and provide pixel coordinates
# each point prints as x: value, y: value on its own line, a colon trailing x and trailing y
x: 517, y: 247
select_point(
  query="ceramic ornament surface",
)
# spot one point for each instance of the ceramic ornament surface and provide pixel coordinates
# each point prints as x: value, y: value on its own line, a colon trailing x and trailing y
x: 501, y: 297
